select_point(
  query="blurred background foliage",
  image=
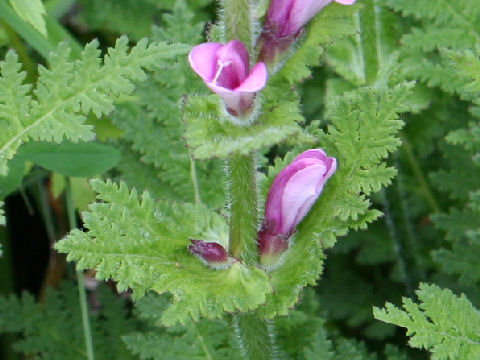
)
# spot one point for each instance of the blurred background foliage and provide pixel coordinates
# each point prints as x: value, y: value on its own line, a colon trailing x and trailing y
x: 429, y: 231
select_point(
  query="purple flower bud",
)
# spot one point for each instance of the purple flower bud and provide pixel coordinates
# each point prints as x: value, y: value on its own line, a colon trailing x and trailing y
x: 212, y: 254
x: 291, y: 196
x: 284, y: 20
x: 225, y: 69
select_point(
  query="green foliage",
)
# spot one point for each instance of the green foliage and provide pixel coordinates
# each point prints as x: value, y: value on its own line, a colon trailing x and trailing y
x: 2, y: 214
x: 32, y: 11
x: 443, y: 323
x: 76, y: 160
x: 117, y: 16
x: 67, y: 91
x: 442, y: 24
x: 143, y: 245
x: 461, y: 224
x: 467, y: 66
x: 332, y: 23
x: 53, y: 330
x: 152, y: 125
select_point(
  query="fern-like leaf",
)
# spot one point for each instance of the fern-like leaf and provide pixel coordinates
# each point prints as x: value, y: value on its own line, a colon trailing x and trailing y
x: 144, y: 245
x: 442, y: 323
x: 67, y: 91
x: 53, y: 330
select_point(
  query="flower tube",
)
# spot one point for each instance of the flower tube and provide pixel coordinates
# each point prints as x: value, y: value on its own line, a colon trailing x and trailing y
x: 225, y: 69
x: 291, y: 196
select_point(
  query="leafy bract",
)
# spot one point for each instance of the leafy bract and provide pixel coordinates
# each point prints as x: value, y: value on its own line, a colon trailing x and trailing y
x: 363, y: 131
x: 143, y: 244
x: 211, y: 134
x: 69, y: 90
x: 443, y: 323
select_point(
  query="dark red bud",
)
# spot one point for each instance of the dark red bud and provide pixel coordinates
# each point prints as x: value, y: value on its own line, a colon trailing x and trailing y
x: 210, y: 252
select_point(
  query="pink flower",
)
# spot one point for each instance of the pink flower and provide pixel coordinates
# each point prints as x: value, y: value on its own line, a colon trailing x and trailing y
x: 226, y: 71
x: 211, y: 253
x: 284, y: 20
x: 291, y: 196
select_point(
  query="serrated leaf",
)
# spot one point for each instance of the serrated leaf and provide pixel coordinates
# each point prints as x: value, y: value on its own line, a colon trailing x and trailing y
x: 143, y: 245
x: 442, y: 323
x: 68, y: 91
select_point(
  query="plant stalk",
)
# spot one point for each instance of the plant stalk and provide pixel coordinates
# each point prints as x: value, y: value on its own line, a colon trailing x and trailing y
x: 82, y: 294
x: 243, y: 208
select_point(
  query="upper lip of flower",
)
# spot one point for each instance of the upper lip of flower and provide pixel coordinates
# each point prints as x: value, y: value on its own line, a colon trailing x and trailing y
x: 226, y: 67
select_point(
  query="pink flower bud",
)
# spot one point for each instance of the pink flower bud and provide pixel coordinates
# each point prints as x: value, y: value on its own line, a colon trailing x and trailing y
x: 291, y: 196
x: 284, y: 20
x: 212, y: 254
x: 225, y: 69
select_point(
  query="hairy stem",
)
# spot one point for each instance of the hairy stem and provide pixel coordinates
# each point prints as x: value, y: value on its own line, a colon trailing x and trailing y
x: 82, y: 295
x: 237, y: 20
x: 243, y: 208
x: 254, y: 337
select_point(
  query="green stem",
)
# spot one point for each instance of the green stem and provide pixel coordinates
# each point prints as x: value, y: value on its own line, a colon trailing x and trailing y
x: 82, y: 295
x: 193, y: 175
x: 237, y: 20
x: 368, y: 41
x: 254, y: 337
x: 418, y: 172
x: 243, y: 208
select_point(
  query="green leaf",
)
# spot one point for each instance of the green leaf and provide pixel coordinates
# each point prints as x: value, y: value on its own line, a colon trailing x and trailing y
x: 143, y: 244
x: 53, y: 329
x: 68, y: 91
x: 10, y: 182
x: 32, y: 11
x: 442, y: 323
x: 2, y: 214
x: 83, y: 159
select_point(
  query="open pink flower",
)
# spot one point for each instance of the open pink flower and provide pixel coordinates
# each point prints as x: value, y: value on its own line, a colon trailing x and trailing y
x: 284, y: 20
x: 291, y: 196
x: 226, y: 71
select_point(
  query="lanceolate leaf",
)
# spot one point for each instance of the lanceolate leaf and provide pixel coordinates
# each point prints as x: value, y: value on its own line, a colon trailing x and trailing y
x: 84, y: 159
x: 144, y: 245
x: 32, y: 11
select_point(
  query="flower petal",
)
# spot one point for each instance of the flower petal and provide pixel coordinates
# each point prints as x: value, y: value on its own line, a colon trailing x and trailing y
x: 203, y: 60
x: 256, y: 80
x: 301, y: 192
